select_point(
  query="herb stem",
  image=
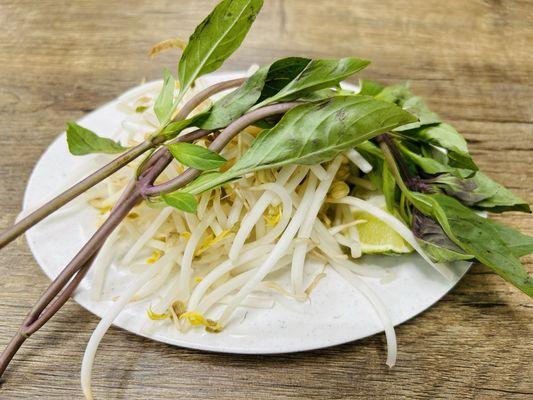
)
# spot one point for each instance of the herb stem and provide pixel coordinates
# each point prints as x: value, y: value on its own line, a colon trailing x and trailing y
x: 204, y: 94
x: 394, y: 157
x: 162, y: 152
x: 107, y: 170
x: 59, y: 291
x: 399, y: 161
x: 386, y: 145
x: 146, y: 185
x: 70, y: 194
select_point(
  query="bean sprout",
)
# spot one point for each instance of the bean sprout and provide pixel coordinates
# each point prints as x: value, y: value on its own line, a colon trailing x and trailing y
x: 226, y: 252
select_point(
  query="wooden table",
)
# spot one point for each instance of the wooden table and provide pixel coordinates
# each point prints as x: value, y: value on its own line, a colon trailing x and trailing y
x: 473, y: 60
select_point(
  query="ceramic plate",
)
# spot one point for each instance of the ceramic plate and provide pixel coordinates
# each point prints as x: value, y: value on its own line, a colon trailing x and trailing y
x: 335, y: 314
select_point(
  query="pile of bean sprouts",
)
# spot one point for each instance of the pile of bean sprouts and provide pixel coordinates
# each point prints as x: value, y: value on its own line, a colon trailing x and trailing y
x: 240, y: 235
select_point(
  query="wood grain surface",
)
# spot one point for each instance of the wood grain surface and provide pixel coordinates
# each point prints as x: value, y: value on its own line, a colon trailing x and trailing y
x: 472, y: 60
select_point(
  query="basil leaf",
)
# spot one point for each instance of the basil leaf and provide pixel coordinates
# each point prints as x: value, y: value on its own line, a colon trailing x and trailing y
x: 498, y: 198
x: 389, y: 187
x: 232, y: 106
x: 370, y: 151
x: 374, y: 156
x: 369, y: 88
x: 195, y: 156
x: 281, y: 73
x: 401, y: 95
x: 323, y: 94
x: 267, y: 82
x: 445, y: 136
x: 380, y: 175
x: 428, y: 150
x: 182, y: 201
x: 83, y: 141
x: 164, y: 104
x: 477, y: 236
x: 429, y: 128
x: 316, y: 132
x: 427, y: 164
x: 442, y: 254
x: 434, y: 239
x: 318, y: 74
x: 465, y: 190
x: 175, y: 128
x: 396, y: 94
x: 210, y: 180
x: 481, y: 192
x: 519, y: 244
x: 417, y: 106
x: 216, y: 38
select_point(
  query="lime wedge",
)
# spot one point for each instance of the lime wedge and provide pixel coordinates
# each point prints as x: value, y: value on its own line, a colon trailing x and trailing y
x: 377, y: 237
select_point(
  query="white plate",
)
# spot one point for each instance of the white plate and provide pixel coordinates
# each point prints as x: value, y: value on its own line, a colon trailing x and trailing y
x: 336, y: 313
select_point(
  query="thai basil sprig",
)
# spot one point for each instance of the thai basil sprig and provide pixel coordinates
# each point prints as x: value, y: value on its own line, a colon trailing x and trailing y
x: 448, y: 228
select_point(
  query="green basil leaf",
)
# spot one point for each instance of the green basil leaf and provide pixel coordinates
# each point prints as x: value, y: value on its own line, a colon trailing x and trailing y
x: 497, y: 198
x: 232, y: 106
x: 380, y: 176
x: 443, y: 255
x: 445, y: 136
x: 476, y: 235
x: 481, y: 192
x: 195, y: 156
x: 370, y: 151
x: 164, y: 104
x: 464, y: 190
x: 427, y: 164
x: 267, y: 82
x: 316, y: 132
x: 429, y: 128
x: 401, y: 95
x: 323, y: 94
x: 428, y: 150
x: 317, y: 74
x: 209, y: 180
x: 389, y: 187
x: 374, y: 156
x: 417, y: 106
x: 182, y: 201
x: 369, y: 88
x: 281, y: 73
x: 396, y: 94
x: 435, y: 241
x: 175, y: 128
x: 216, y: 38
x: 83, y: 141
x: 519, y: 244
